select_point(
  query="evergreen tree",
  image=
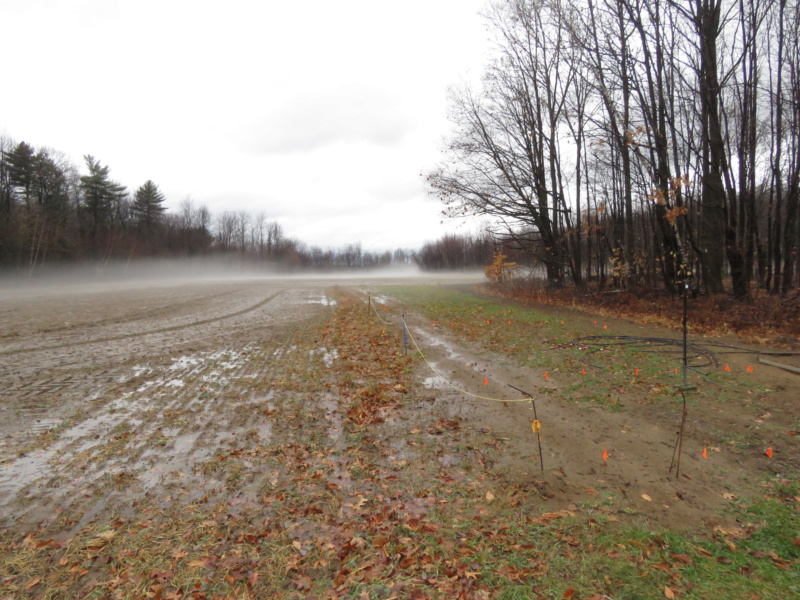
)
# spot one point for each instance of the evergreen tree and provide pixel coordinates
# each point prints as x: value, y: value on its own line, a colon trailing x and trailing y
x: 148, y: 205
x: 99, y: 193
x: 20, y: 165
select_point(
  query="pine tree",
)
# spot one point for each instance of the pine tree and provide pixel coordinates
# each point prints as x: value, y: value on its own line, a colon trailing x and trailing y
x: 99, y: 193
x: 147, y: 205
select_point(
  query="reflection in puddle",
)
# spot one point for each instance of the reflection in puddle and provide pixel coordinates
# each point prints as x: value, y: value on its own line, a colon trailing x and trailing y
x: 436, y: 383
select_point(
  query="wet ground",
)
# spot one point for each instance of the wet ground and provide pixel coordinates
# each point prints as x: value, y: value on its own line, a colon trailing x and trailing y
x: 109, y: 392
x: 117, y: 393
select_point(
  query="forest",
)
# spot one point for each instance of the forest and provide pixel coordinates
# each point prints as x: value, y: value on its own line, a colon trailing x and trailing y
x: 612, y: 143
x: 51, y: 214
x: 636, y: 143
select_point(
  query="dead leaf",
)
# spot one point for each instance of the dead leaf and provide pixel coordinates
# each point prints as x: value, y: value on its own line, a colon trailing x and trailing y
x: 569, y: 594
x: 489, y: 496
x: 728, y: 496
x: 646, y: 497
x: 669, y: 593
x: 32, y: 582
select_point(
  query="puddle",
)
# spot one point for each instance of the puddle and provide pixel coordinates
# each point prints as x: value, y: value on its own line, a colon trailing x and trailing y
x: 319, y: 299
x: 328, y: 356
x: 333, y: 416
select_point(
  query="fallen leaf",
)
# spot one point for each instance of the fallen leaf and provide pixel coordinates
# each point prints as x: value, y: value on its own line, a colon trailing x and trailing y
x: 489, y: 496
x: 669, y: 593
x: 32, y: 582
x: 646, y: 497
x: 569, y: 594
x: 728, y: 496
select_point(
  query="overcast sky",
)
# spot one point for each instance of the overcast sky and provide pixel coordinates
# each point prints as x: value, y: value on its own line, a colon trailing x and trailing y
x: 320, y: 113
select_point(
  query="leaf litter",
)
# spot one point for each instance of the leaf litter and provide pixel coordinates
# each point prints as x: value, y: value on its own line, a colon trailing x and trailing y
x: 322, y: 479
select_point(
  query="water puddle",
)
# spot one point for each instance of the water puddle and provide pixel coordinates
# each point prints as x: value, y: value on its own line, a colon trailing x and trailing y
x: 328, y: 356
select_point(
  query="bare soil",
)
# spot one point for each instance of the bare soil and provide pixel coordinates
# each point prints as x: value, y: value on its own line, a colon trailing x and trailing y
x: 735, y: 420
x: 231, y: 412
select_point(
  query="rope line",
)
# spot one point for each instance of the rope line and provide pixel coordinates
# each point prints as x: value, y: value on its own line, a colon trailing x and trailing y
x: 454, y: 386
x: 377, y: 314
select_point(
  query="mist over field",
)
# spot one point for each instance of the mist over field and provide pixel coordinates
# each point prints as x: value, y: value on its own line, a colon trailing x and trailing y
x: 93, y: 278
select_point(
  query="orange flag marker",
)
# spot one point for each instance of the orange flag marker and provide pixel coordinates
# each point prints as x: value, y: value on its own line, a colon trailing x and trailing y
x: 636, y: 371
x: 605, y: 455
x: 546, y: 376
x: 583, y: 371
x: 728, y: 368
x: 485, y: 381
x: 562, y: 322
x: 749, y: 369
x: 605, y: 326
x: 509, y: 321
x: 676, y: 370
x: 705, y: 452
x: 595, y: 322
x: 769, y: 452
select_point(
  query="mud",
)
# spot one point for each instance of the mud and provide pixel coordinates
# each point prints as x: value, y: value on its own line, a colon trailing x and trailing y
x: 112, y: 392
x: 638, y: 433
x: 113, y: 396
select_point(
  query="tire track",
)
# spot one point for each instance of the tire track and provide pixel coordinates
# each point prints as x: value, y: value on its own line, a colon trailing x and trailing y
x: 126, y: 336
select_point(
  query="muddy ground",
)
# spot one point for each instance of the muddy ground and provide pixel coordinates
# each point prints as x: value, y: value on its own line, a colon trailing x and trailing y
x: 136, y: 383
x: 120, y: 403
x: 737, y: 408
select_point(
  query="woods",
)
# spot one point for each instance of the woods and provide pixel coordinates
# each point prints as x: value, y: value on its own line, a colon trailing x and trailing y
x: 51, y: 214
x: 636, y: 143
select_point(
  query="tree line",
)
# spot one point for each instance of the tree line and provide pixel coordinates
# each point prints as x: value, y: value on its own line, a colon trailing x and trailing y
x: 636, y: 142
x: 51, y: 214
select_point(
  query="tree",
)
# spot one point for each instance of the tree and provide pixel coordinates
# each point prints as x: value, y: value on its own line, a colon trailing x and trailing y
x: 99, y: 195
x: 148, y: 206
x: 20, y: 165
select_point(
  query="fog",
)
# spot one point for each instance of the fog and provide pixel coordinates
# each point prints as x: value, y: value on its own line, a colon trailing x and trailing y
x: 94, y: 278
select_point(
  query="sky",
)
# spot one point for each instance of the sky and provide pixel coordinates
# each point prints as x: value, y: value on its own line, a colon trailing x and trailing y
x: 322, y: 114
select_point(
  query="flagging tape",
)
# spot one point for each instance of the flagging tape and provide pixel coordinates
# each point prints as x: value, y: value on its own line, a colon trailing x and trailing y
x: 454, y: 386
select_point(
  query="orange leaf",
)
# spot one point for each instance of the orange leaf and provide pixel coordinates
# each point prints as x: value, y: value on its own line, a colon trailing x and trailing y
x: 669, y: 593
x: 569, y: 594
x: 32, y: 582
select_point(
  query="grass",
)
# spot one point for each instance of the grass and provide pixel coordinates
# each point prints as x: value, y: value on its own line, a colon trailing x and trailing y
x: 337, y: 517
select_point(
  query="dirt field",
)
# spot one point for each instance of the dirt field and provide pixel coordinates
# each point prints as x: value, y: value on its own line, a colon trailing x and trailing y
x: 83, y: 367
x: 230, y: 416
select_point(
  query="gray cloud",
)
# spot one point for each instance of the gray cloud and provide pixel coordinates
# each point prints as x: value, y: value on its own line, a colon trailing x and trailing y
x: 314, y: 121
